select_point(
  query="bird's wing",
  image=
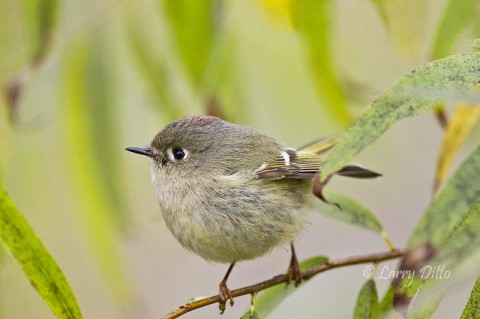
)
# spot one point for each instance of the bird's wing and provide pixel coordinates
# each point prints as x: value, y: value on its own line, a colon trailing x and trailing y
x: 307, y: 161
x: 291, y: 164
x: 321, y: 146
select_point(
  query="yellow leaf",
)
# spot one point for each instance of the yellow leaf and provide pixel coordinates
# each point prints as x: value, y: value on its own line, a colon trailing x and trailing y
x: 458, y: 128
x: 280, y: 11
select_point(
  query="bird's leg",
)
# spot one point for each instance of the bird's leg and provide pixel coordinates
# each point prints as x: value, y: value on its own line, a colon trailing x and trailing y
x: 294, y: 273
x: 224, y: 292
x: 318, y: 186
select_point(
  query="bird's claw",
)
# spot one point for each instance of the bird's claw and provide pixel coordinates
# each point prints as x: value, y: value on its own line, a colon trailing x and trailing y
x: 225, y: 294
x: 294, y: 273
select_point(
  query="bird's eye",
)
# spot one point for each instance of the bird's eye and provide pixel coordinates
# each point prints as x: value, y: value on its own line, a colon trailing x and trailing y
x: 179, y: 154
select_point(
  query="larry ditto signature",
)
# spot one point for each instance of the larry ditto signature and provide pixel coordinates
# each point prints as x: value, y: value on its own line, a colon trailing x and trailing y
x: 426, y: 272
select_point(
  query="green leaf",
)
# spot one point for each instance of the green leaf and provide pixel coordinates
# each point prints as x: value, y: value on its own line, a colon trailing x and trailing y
x: 36, y: 262
x: 273, y: 296
x: 367, y: 302
x: 380, y: 5
x: 386, y: 304
x: 426, y: 303
x: 476, y: 43
x: 351, y: 212
x: 459, y: 194
x: 457, y: 257
x: 405, y: 24
x: 41, y: 18
x: 151, y: 66
x: 251, y: 314
x: 313, y: 19
x: 462, y: 241
x: 458, y: 72
x: 193, y: 27
x: 84, y: 79
x: 457, y: 16
x: 471, y: 309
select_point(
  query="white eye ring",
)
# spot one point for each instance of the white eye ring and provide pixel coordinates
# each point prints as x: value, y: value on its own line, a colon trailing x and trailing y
x: 177, y: 154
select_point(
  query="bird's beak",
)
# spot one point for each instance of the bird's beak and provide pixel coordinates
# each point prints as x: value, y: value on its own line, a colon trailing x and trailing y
x: 147, y: 151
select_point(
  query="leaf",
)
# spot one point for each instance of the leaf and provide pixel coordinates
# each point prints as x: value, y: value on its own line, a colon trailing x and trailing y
x: 41, y: 19
x: 462, y: 241
x: 426, y: 303
x: 460, y: 193
x: 152, y: 68
x: 367, y: 302
x: 36, y: 262
x: 458, y: 72
x: 386, y: 304
x: 280, y: 11
x: 405, y: 23
x: 250, y: 315
x: 83, y: 100
x: 313, y: 17
x: 272, y: 297
x: 458, y: 128
x: 471, y: 309
x: 458, y: 256
x: 380, y: 5
x: 452, y: 226
x: 475, y: 43
x: 457, y: 15
x: 193, y: 28
x: 350, y: 211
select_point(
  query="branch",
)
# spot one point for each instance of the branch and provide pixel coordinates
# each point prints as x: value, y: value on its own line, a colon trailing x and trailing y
x: 279, y: 279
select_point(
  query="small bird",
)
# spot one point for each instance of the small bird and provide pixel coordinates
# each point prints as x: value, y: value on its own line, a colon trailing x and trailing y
x: 230, y: 193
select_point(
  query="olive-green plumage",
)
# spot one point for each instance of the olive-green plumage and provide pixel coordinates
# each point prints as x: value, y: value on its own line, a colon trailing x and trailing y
x: 213, y: 201
x: 229, y: 193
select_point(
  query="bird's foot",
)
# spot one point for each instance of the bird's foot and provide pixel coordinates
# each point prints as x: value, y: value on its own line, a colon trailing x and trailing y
x: 225, y: 295
x: 294, y: 273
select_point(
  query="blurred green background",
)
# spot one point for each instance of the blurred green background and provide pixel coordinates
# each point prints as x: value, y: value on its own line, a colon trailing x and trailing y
x: 103, y: 75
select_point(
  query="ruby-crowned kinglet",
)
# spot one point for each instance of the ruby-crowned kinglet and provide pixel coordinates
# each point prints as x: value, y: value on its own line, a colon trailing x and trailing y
x: 229, y: 193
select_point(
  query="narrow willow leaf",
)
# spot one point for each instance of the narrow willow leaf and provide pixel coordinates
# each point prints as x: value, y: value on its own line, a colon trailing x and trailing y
x: 461, y: 244
x: 458, y: 128
x: 405, y: 22
x: 101, y: 118
x: 457, y: 15
x: 367, y: 302
x: 475, y: 43
x: 37, y: 263
x: 473, y: 304
x: 251, y: 314
x: 461, y: 191
x: 152, y: 69
x: 41, y: 18
x: 280, y: 11
x: 380, y: 5
x: 93, y: 201
x: 458, y: 72
x: 350, y: 211
x: 193, y: 26
x: 313, y: 17
x: 273, y: 296
x: 424, y: 305
x: 386, y: 304
x: 458, y: 257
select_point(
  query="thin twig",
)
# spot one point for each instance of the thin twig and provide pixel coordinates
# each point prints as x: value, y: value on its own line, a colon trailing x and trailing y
x: 279, y: 279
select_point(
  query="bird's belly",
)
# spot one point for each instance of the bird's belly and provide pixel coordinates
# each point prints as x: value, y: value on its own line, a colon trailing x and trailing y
x: 235, y: 226
x: 228, y: 240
